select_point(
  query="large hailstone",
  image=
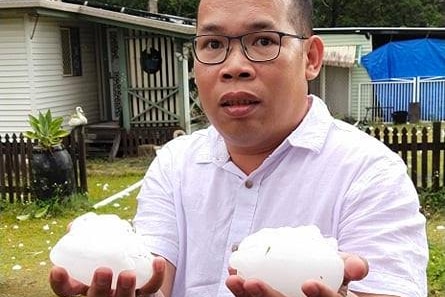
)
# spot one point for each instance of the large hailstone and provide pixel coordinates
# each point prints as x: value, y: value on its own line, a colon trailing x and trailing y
x: 286, y: 257
x: 95, y: 241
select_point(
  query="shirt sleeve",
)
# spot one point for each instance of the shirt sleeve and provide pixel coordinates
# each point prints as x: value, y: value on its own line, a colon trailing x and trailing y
x: 156, y: 215
x: 381, y: 221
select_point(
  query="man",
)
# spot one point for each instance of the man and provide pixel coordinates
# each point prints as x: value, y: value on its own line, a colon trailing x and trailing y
x: 273, y: 157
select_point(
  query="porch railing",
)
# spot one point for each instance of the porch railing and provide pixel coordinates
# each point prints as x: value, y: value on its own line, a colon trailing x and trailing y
x: 427, y: 94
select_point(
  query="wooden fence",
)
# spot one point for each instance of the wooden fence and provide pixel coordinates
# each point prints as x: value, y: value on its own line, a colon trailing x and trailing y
x: 422, y: 149
x: 16, y: 171
x: 139, y: 136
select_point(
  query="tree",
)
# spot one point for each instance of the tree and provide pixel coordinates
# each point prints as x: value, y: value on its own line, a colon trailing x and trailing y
x: 184, y: 8
x: 335, y: 13
x: 378, y: 13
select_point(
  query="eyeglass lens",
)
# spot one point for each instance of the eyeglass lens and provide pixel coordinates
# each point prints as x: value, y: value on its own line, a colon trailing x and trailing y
x: 257, y: 46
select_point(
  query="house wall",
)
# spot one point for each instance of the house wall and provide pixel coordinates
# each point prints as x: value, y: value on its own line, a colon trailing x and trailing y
x: 31, y: 72
x: 358, y: 73
x: 15, y: 87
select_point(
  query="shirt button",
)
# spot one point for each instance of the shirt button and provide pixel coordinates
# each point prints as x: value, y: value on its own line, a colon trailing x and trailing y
x: 248, y: 184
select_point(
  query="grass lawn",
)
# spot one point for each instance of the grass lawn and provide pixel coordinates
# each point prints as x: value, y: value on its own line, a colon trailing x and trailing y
x: 25, y: 245
x: 436, y: 269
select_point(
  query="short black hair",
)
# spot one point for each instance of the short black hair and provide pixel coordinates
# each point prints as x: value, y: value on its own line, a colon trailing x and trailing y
x: 300, y: 16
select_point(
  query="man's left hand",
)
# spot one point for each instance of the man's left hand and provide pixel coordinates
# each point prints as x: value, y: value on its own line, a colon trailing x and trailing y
x: 356, y: 268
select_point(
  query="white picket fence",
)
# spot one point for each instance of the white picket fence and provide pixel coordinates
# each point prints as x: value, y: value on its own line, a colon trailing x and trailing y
x: 378, y: 100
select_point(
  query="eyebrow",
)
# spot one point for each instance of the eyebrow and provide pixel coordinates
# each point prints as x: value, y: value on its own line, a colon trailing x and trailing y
x: 217, y: 29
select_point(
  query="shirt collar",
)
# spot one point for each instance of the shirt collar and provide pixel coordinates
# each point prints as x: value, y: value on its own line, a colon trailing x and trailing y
x: 214, y: 150
x: 313, y: 130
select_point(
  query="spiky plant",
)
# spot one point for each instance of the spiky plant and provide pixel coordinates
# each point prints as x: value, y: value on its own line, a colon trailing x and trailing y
x: 46, y: 130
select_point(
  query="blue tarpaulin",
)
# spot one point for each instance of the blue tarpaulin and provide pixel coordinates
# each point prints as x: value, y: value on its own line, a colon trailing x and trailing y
x: 410, y: 58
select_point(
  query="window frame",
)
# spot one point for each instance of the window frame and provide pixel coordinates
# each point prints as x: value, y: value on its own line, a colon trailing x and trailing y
x: 71, y: 51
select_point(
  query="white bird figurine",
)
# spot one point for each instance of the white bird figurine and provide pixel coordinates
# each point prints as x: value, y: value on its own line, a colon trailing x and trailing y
x: 78, y: 119
x: 178, y: 133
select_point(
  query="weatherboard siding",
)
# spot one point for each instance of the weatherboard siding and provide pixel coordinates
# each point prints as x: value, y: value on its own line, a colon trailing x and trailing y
x: 14, y: 72
x: 31, y: 73
x: 55, y: 91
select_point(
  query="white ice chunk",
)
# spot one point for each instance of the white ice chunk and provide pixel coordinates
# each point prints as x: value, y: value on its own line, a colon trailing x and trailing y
x: 286, y: 257
x: 102, y: 241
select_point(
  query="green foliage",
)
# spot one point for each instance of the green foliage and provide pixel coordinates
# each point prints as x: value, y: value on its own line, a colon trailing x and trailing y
x: 433, y: 207
x: 378, y: 13
x: 436, y: 270
x: 432, y: 202
x: 54, y: 207
x: 334, y: 13
x: 183, y: 8
x: 46, y: 130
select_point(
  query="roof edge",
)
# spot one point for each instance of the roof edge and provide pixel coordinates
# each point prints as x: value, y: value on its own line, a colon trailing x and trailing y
x: 380, y: 30
x: 57, y: 5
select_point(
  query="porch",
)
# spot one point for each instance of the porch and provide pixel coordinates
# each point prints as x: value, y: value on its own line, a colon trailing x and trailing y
x: 109, y: 140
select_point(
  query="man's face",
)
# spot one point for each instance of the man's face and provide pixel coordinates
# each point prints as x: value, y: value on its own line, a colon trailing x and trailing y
x: 254, y: 105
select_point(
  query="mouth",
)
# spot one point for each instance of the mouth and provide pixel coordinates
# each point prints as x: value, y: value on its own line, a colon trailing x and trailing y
x: 229, y: 103
x: 239, y: 104
x: 238, y: 99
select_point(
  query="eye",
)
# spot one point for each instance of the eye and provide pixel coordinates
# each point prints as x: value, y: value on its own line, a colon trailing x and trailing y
x: 210, y: 43
x: 214, y: 44
x: 265, y: 39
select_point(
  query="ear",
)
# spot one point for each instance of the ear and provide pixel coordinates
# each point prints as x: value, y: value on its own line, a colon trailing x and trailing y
x: 314, y: 56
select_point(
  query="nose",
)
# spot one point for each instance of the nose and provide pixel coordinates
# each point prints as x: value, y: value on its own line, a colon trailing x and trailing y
x: 236, y: 65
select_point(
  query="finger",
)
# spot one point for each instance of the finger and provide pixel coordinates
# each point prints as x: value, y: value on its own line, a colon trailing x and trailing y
x: 126, y: 284
x: 63, y: 285
x: 315, y: 288
x: 236, y: 286
x: 250, y: 287
x: 356, y: 268
x: 157, y: 279
x: 258, y: 288
x: 101, y: 284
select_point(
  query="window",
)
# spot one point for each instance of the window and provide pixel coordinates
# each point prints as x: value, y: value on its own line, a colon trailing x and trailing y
x: 72, y: 63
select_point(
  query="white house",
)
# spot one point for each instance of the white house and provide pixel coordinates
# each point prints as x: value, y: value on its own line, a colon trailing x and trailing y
x: 131, y: 67
x: 58, y: 55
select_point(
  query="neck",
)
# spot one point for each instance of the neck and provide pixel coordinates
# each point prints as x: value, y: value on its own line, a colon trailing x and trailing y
x: 250, y: 158
x: 248, y: 162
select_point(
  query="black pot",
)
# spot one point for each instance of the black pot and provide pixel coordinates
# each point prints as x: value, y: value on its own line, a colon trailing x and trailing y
x: 52, y: 174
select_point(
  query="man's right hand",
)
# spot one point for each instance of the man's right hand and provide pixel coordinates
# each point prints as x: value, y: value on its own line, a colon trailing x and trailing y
x: 64, y: 286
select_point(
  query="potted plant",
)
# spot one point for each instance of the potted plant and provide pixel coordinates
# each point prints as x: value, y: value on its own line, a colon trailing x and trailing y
x: 52, y: 173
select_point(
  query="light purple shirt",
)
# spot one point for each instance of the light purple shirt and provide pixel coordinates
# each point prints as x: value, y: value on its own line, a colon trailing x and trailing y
x: 195, y: 204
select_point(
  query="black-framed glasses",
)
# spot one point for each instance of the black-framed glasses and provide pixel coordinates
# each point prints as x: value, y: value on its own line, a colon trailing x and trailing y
x: 258, y: 46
